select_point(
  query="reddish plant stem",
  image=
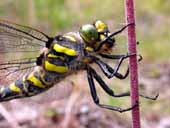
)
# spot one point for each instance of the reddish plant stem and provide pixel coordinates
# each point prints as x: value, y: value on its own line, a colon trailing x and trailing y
x: 131, y: 36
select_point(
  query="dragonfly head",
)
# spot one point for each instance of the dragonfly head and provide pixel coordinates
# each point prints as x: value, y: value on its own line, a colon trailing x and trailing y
x: 96, y: 36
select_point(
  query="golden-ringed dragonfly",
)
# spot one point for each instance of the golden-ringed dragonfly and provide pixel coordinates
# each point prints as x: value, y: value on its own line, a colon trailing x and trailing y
x: 32, y: 62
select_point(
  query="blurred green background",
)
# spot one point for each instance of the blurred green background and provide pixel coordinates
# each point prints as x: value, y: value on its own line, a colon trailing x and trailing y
x: 57, y: 16
x: 152, y: 29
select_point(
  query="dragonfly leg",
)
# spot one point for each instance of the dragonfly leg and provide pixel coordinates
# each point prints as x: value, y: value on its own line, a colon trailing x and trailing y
x: 91, y: 75
x: 107, y: 70
x: 111, y: 72
x: 111, y: 92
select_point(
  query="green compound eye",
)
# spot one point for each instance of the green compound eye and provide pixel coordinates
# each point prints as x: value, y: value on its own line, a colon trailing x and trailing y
x: 89, y: 33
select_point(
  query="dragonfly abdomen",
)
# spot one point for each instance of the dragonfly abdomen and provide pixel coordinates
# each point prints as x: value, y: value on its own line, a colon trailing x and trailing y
x: 38, y: 81
x: 29, y: 85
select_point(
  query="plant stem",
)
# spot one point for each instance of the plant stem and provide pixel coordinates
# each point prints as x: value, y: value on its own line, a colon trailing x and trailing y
x: 131, y: 36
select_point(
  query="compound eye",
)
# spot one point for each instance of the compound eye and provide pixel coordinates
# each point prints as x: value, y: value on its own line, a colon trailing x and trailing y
x: 89, y: 33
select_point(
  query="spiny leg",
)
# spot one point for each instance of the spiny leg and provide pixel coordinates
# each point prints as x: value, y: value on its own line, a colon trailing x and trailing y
x: 111, y: 56
x: 114, y: 57
x: 110, y: 91
x: 107, y: 70
x: 120, y: 30
x: 104, y: 86
x: 117, y: 66
x: 113, y: 34
x: 95, y: 97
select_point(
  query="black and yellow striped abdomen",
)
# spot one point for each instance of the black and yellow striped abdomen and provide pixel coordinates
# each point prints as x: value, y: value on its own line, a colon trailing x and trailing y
x: 62, y: 59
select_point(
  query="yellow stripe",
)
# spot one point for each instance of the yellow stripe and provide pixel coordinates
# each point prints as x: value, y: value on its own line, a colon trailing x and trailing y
x: 35, y: 81
x: 52, y: 56
x: 61, y: 49
x: 71, y: 38
x: 54, y: 68
x: 89, y: 49
x: 55, y: 56
x: 14, y: 88
x: 102, y: 37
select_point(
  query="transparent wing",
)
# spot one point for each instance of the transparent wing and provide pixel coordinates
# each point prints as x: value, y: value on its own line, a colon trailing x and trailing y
x: 18, y: 38
x: 15, y: 69
x: 19, y: 47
